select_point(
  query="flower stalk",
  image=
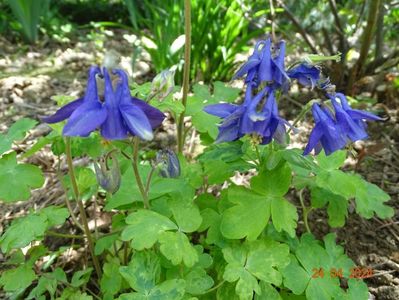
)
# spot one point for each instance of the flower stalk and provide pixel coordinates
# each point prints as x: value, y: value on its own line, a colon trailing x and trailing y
x: 135, y: 148
x: 81, y: 207
x: 186, y: 73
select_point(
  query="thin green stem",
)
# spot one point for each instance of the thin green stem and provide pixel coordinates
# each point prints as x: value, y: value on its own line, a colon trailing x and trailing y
x: 301, y: 115
x: 81, y: 207
x: 258, y: 155
x: 147, y: 185
x: 305, y: 211
x: 140, y: 184
x: 214, y: 288
x: 67, y: 202
x: 186, y: 72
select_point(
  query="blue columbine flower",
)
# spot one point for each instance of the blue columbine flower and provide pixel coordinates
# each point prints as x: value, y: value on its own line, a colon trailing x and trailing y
x: 257, y: 115
x: 326, y: 134
x: 351, y: 120
x: 307, y: 75
x: 266, y: 64
x: 118, y: 115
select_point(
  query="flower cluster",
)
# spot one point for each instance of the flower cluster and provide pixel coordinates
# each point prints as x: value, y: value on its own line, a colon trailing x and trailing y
x: 265, y: 77
x: 118, y: 115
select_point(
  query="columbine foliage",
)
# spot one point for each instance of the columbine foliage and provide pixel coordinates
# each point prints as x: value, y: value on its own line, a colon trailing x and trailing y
x: 180, y: 228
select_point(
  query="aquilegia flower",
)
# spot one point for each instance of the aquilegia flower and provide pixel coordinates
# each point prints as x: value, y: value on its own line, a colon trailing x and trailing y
x: 352, y: 121
x: 266, y: 64
x: 117, y: 116
x: 333, y: 131
x: 257, y: 115
x: 326, y: 133
x: 307, y: 75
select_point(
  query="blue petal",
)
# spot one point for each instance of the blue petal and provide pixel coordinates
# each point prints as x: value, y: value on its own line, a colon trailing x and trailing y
x: 64, y: 112
x: 113, y: 128
x: 314, y: 139
x: 221, y: 110
x: 154, y: 115
x: 265, y: 67
x: 91, y: 93
x: 85, y: 119
x: 228, y: 133
x: 136, y: 121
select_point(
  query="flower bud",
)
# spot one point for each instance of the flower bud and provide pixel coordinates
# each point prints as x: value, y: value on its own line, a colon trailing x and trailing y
x: 168, y: 164
x: 108, y: 177
x: 163, y: 83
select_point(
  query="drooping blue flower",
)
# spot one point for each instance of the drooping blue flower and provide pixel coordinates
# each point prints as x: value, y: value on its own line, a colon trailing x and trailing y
x: 168, y: 164
x: 307, y: 75
x: 262, y: 117
x: 326, y: 134
x: 266, y: 64
x: 119, y: 115
x: 257, y: 115
x: 351, y: 120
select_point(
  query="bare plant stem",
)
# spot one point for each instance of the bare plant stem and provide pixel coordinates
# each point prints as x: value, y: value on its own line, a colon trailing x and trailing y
x: 67, y: 202
x: 186, y: 73
x: 81, y: 207
x: 272, y: 20
x: 135, y: 161
x: 305, y: 212
x: 358, y: 68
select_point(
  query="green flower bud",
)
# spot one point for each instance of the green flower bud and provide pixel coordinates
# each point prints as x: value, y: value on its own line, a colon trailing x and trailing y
x: 163, y: 84
x: 108, y: 177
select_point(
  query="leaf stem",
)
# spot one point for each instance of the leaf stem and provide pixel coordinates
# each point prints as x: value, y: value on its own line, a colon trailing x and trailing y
x: 135, y: 157
x: 305, y: 211
x: 214, y: 288
x: 186, y: 73
x: 81, y: 207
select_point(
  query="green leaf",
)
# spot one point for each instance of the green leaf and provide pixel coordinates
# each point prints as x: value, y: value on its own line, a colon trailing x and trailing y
x: 169, y: 104
x: 251, y: 261
x: 87, y: 183
x: 370, y: 199
x: 217, y: 171
x: 104, y: 243
x: 253, y: 211
x: 268, y: 292
x: 186, y: 213
x: 143, y: 272
x: 176, y: 247
x: 225, y: 93
x: 80, y: 278
x: 337, y: 205
x: 16, y: 132
x: 145, y: 227
x: 17, y: 279
x: 211, y: 220
x: 337, y: 182
x: 111, y: 281
x: 16, y: 180
x: 284, y: 216
x: 168, y: 290
x: 23, y: 231
x: 299, y: 275
x: 273, y: 183
x: 333, y: 161
x: 26, y: 229
x: 198, y: 281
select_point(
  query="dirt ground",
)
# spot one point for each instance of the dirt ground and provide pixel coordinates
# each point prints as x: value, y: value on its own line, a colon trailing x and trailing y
x: 30, y: 76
